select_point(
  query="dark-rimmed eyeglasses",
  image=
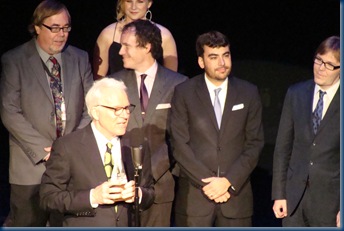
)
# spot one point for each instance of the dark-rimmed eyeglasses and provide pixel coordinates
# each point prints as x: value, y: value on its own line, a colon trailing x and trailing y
x: 328, y: 66
x: 56, y: 29
x: 119, y: 110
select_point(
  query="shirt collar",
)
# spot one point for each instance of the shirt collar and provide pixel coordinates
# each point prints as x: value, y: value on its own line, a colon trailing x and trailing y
x: 45, y: 56
x: 329, y: 92
x: 100, y: 138
x: 212, y: 87
x: 150, y: 72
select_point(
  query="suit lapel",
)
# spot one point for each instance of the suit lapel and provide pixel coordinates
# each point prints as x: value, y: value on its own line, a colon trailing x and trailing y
x: 67, y: 75
x: 93, y: 159
x: 308, y: 104
x: 204, y: 97
x: 232, y: 93
x: 131, y: 83
x: 36, y: 66
x: 155, y: 97
x: 332, y: 110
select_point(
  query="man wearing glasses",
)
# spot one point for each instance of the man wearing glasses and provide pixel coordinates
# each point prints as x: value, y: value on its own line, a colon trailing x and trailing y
x: 77, y: 182
x: 43, y: 87
x: 306, y: 168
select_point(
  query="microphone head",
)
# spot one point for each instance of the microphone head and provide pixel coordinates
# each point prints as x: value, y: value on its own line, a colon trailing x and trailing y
x: 136, y: 154
x: 136, y: 141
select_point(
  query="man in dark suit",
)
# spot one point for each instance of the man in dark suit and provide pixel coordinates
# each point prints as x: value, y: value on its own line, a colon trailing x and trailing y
x: 306, y: 166
x: 216, y: 140
x: 28, y: 104
x: 76, y: 182
x: 141, y: 48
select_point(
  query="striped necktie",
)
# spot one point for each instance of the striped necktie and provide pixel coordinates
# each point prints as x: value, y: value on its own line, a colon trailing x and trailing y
x: 317, y: 114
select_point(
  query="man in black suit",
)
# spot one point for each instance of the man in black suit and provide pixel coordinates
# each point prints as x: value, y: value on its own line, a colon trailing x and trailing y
x: 76, y: 183
x: 141, y: 48
x: 306, y: 167
x: 216, y: 140
x: 30, y: 98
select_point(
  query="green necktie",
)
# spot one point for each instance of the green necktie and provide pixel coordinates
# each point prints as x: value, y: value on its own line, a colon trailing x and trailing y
x: 108, y: 160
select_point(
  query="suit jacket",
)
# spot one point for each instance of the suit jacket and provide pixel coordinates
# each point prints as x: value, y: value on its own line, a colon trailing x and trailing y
x: 74, y: 168
x: 27, y: 106
x: 201, y: 149
x: 300, y: 155
x: 154, y: 127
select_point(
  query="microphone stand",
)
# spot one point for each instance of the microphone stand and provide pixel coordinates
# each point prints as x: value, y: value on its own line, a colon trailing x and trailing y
x: 138, y: 170
x: 137, y: 161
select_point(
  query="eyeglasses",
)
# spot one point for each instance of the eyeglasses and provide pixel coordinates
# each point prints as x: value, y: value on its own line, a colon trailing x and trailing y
x: 118, y: 110
x: 328, y: 66
x: 56, y: 29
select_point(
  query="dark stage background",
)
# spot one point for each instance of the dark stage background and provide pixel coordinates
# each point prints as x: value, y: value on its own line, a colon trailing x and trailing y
x: 272, y: 44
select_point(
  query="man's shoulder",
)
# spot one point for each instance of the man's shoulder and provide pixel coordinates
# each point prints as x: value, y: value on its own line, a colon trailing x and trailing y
x: 75, y: 51
x: 301, y: 86
x: 122, y: 74
x: 19, y: 50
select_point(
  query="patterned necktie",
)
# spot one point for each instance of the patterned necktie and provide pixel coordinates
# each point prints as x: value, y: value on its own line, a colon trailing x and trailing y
x: 217, y: 107
x: 143, y: 95
x: 56, y: 89
x: 317, y: 114
x: 108, y: 161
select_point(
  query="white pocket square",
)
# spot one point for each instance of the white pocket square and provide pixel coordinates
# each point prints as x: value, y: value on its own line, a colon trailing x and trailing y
x: 238, y: 107
x: 163, y: 106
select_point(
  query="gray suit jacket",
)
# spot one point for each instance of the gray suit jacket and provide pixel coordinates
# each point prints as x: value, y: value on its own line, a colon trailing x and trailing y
x: 27, y: 106
x: 202, y: 150
x: 300, y: 155
x: 154, y: 126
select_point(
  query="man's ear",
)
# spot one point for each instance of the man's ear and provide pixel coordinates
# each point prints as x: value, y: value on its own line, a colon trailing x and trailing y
x: 148, y: 47
x: 201, y: 62
x: 37, y: 29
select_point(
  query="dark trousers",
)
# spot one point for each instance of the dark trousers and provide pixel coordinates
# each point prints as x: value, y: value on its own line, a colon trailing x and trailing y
x: 158, y: 215
x: 25, y: 209
x: 306, y: 216
x: 215, y: 218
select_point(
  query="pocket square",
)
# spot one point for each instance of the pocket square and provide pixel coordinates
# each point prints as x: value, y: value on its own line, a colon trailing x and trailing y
x: 238, y: 107
x: 163, y: 106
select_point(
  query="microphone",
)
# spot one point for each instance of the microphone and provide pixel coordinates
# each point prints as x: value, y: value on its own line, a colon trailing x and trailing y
x: 136, y: 140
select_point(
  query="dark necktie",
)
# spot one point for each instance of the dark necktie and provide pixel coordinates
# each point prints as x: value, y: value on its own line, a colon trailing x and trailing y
x: 317, y: 114
x: 217, y: 107
x: 56, y: 89
x: 108, y: 161
x: 143, y: 95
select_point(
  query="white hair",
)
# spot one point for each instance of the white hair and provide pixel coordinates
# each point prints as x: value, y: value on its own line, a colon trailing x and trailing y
x: 96, y: 93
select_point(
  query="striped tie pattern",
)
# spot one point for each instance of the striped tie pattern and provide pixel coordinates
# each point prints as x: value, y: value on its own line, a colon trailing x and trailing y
x: 317, y: 114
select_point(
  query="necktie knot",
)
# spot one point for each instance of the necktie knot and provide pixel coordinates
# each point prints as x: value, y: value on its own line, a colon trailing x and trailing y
x: 321, y: 94
x: 143, y: 77
x: 53, y: 60
x: 217, y: 91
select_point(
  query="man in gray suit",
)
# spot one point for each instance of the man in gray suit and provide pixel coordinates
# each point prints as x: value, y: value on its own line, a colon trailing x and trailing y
x: 141, y: 48
x: 28, y: 99
x: 217, y: 136
x: 306, y: 166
